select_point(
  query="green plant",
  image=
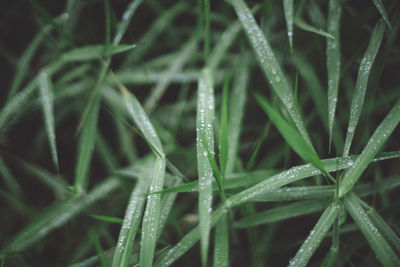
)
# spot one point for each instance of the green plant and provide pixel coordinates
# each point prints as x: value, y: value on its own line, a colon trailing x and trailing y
x: 222, y: 123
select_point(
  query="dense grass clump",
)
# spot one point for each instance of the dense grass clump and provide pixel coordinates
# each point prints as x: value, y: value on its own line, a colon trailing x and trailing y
x: 200, y: 133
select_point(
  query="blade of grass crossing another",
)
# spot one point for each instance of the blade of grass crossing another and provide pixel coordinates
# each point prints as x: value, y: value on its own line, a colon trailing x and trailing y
x: 381, y: 9
x: 315, y: 237
x: 269, y: 64
x: 152, y: 215
x: 377, y: 242
x: 381, y: 134
x: 223, y: 131
x: 86, y: 146
x: 221, y: 243
x: 205, y: 146
x: 333, y: 60
x: 133, y: 215
x: 46, y: 95
x: 292, y: 137
x: 288, y: 8
x: 362, y: 82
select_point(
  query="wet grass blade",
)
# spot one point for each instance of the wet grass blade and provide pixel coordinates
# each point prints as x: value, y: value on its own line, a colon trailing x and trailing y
x: 56, y: 216
x: 333, y: 60
x: 46, y: 95
x: 288, y: 9
x: 85, y: 148
x: 269, y: 65
x: 152, y: 214
x: 175, y: 67
x: 130, y: 225
x: 223, y: 131
x: 125, y: 20
x: 221, y: 244
x: 382, y: 226
x: 205, y: 146
x: 236, y: 111
x: 92, y: 52
x: 377, y: 242
x: 362, y: 83
x: 281, y: 212
x: 292, y: 137
x: 301, y: 24
x: 316, y: 235
x: 381, y: 134
x: 381, y: 9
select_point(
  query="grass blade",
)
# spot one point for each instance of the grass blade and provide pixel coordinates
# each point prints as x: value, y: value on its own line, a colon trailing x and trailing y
x: 8, y: 177
x: 175, y: 67
x: 223, y: 131
x: 316, y: 235
x: 280, y: 213
x: 288, y: 8
x: 362, y: 82
x: 92, y: 52
x: 269, y: 65
x: 205, y: 146
x: 381, y: 9
x: 126, y: 18
x: 292, y: 137
x: 46, y: 93
x: 221, y: 245
x: 130, y: 225
x: 333, y: 60
x: 236, y: 111
x: 377, y: 242
x: 300, y: 23
x: 382, y: 226
x: 57, y: 216
x: 381, y: 134
x: 152, y: 215
x: 107, y: 219
x: 86, y: 147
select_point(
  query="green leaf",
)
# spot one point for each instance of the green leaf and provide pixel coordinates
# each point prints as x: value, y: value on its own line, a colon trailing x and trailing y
x: 280, y: 213
x: 377, y: 242
x: 381, y: 9
x: 362, y: 82
x: 269, y: 65
x: 152, y: 214
x: 125, y: 20
x: 46, y: 93
x: 381, y: 134
x: 205, y: 146
x: 221, y: 243
x: 333, y: 60
x: 86, y: 146
x: 130, y: 225
x: 91, y: 52
x: 300, y: 23
x: 292, y: 137
x: 56, y: 216
x: 223, y: 131
x: 316, y: 235
x: 288, y: 9
x: 108, y: 219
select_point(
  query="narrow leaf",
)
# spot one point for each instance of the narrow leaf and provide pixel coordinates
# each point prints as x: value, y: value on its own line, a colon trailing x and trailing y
x: 377, y: 242
x: 288, y: 9
x: 223, y: 131
x: 91, y: 52
x: 362, y: 82
x: 108, y: 219
x: 205, y: 146
x: 291, y: 136
x: 381, y: 134
x: 381, y: 9
x: 221, y: 245
x: 333, y: 60
x: 86, y: 147
x: 300, y: 23
x: 280, y: 213
x: 269, y: 65
x: 152, y: 214
x: 315, y: 237
x: 46, y: 93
